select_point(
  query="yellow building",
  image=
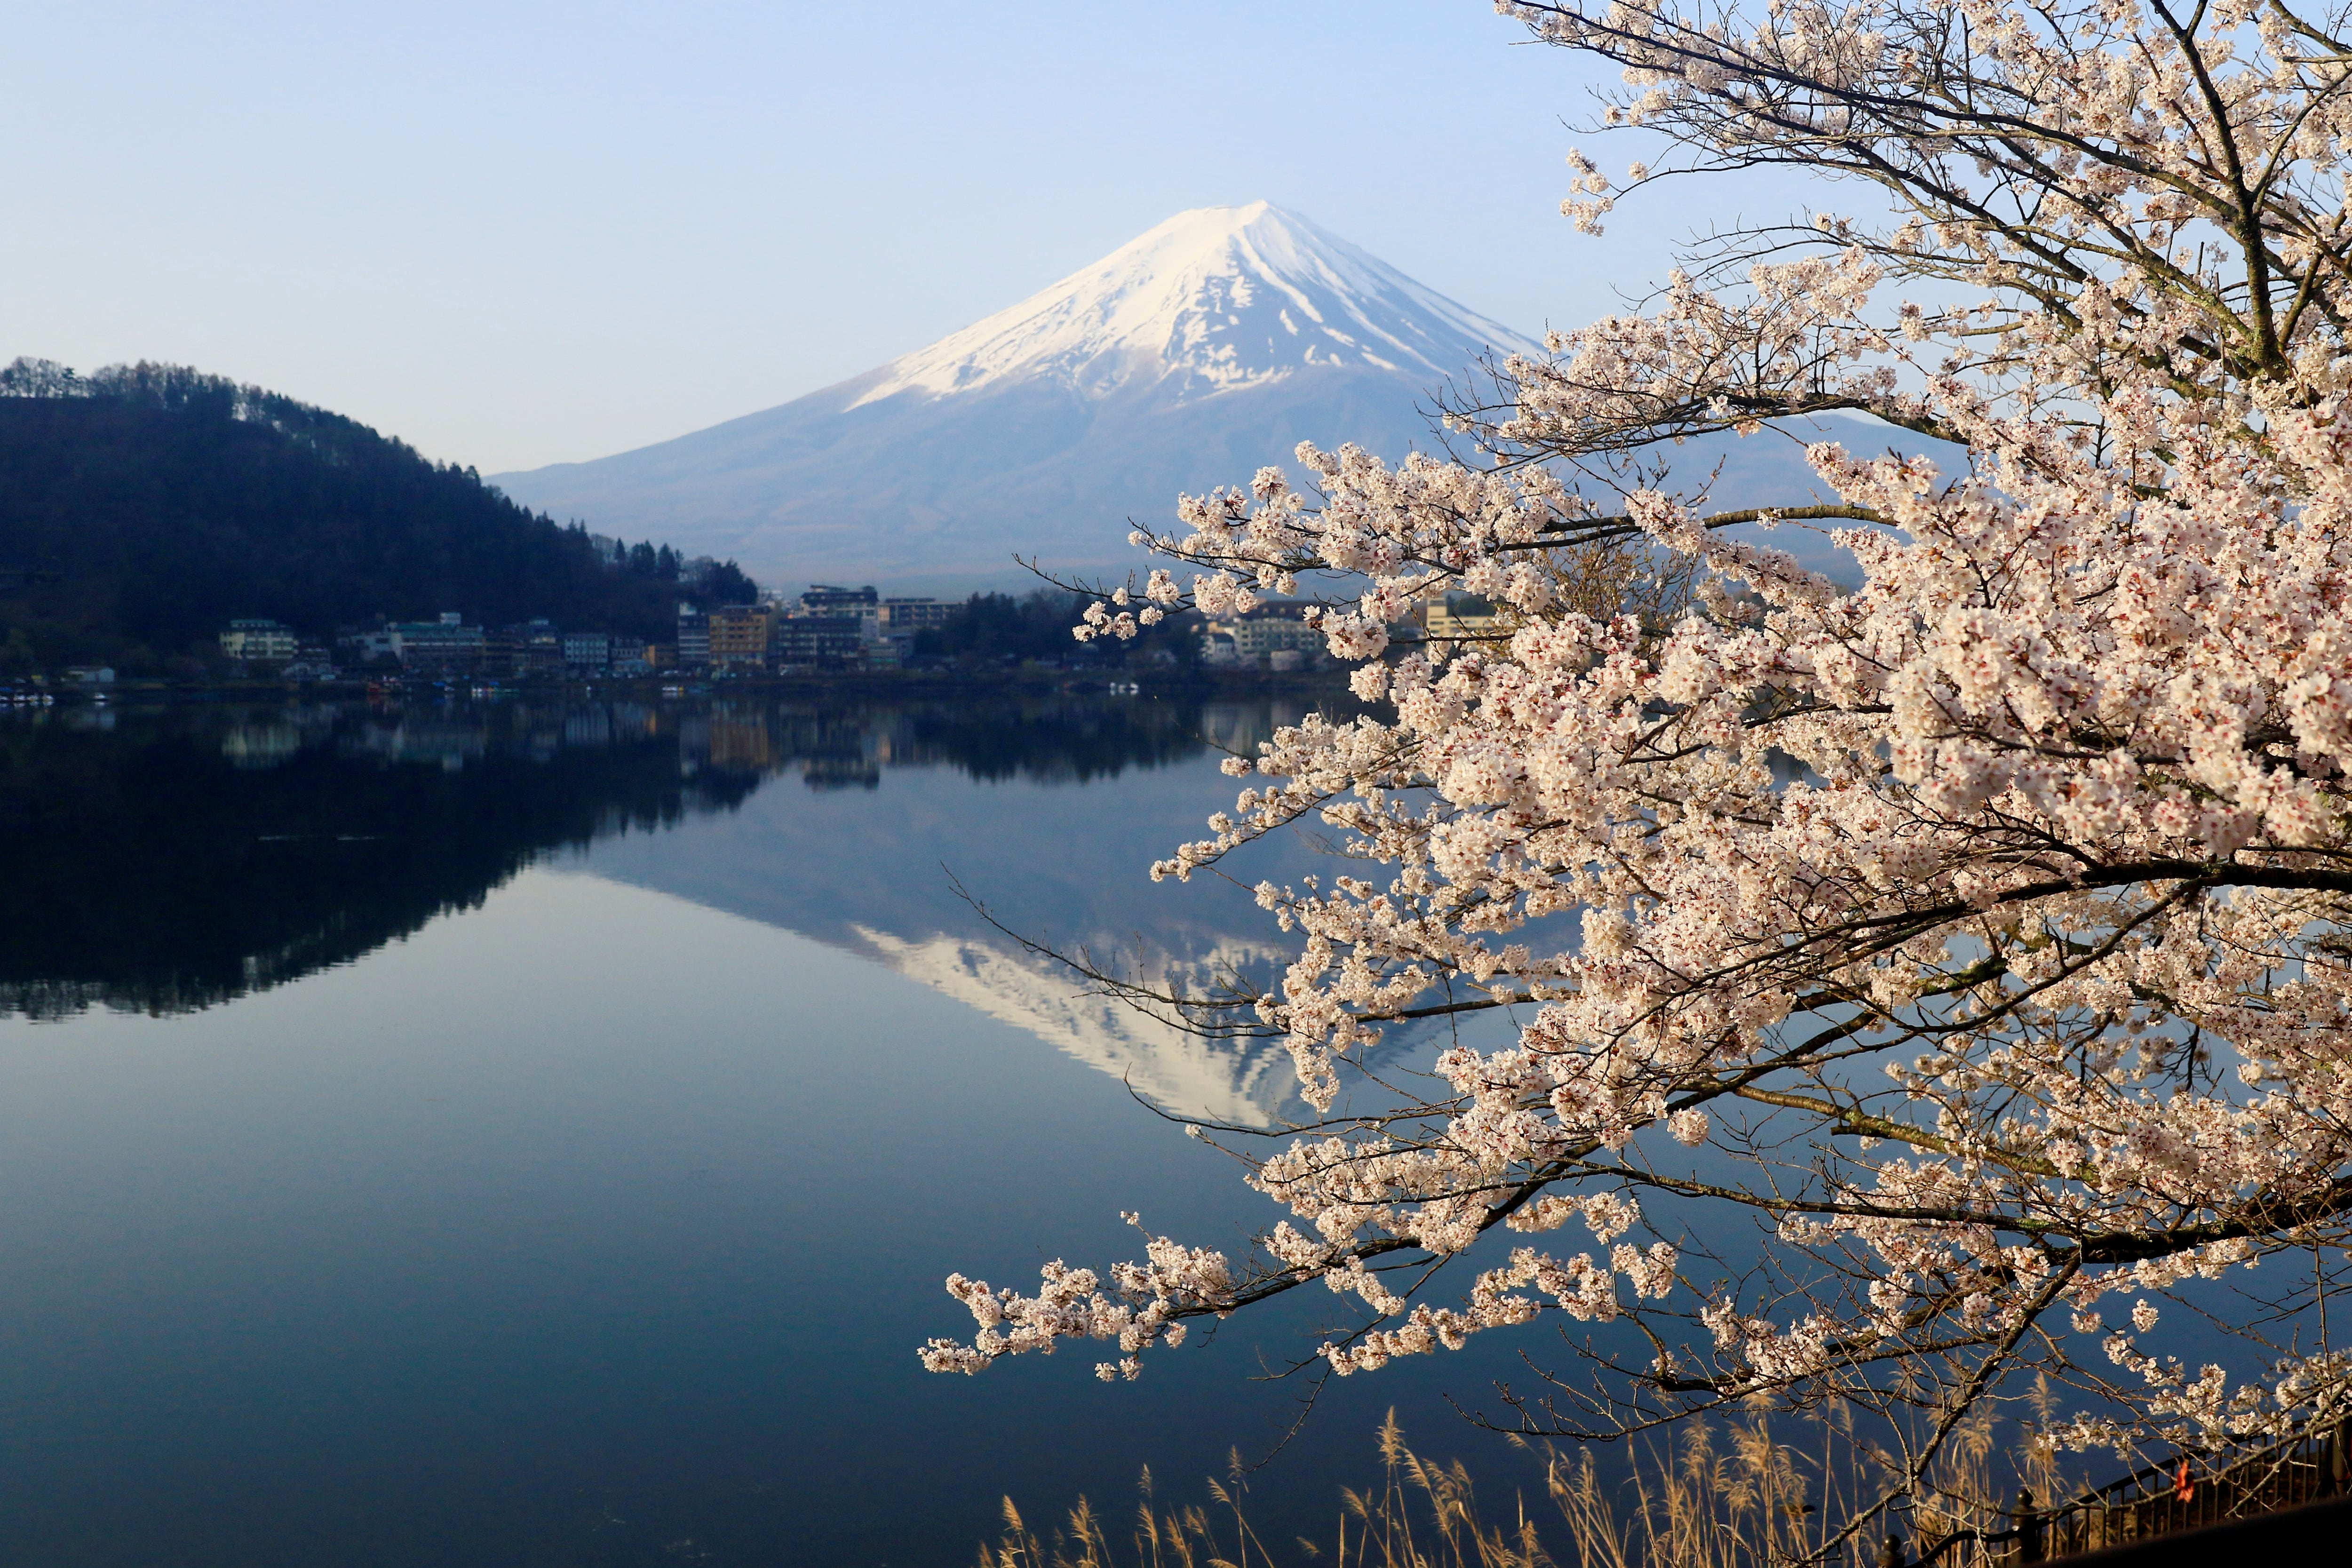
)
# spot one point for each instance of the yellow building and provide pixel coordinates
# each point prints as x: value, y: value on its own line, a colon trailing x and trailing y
x: 739, y: 635
x: 1463, y: 617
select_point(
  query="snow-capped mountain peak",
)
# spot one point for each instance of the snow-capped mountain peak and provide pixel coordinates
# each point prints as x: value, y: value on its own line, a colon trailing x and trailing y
x: 1191, y: 357
x: 1211, y: 300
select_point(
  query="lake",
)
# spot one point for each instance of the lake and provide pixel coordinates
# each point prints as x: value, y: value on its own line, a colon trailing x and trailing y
x: 535, y: 1133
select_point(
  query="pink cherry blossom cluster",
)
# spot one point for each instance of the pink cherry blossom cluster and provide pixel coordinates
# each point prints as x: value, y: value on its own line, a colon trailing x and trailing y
x: 2013, y: 888
x: 1140, y: 1310
x: 2062, y: 783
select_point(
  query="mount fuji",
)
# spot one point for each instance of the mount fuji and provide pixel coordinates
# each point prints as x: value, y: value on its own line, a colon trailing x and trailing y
x: 1189, y: 358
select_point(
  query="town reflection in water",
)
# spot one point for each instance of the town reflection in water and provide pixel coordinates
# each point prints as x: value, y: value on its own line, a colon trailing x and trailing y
x: 173, y: 859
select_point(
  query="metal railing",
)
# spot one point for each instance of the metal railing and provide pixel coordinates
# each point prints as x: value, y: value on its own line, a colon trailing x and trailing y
x: 2186, y: 1493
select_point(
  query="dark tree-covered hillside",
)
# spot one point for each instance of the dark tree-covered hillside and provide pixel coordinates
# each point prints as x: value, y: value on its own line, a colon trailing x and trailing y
x: 144, y: 507
x: 996, y: 628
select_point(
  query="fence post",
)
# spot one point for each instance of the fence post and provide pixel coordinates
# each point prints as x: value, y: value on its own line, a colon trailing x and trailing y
x: 1891, y: 1555
x: 2029, y: 1528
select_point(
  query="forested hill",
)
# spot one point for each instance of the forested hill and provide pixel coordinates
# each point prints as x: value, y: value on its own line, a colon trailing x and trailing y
x: 144, y: 507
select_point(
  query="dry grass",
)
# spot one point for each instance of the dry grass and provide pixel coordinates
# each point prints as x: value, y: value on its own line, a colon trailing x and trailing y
x: 1733, y: 1496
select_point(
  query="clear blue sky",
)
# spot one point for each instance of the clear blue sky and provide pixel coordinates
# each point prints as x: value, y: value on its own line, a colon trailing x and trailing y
x: 515, y: 232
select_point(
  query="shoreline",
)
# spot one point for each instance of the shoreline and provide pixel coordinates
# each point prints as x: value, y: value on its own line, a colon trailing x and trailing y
x: 1206, y: 684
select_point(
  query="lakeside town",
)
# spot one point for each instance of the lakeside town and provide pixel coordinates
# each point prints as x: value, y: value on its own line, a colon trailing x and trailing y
x: 826, y: 630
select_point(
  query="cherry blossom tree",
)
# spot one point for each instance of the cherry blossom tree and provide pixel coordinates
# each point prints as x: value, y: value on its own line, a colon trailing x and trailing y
x: 1984, y: 930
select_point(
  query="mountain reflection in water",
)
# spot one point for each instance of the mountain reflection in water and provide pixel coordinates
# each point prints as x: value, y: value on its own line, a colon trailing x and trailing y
x: 171, y: 859
x: 878, y: 875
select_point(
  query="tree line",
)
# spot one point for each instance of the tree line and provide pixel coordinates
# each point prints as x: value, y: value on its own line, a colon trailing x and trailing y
x: 142, y: 507
x: 990, y: 629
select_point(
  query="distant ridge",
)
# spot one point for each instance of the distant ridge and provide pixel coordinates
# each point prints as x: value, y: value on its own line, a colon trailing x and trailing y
x: 1190, y: 357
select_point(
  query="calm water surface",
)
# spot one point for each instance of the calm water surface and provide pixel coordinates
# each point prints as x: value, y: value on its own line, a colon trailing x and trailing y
x: 523, y: 1134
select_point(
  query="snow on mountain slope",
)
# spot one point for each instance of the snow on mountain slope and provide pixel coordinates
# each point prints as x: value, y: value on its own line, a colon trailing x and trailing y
x: 1187, y: 359
x: 1214, y: 300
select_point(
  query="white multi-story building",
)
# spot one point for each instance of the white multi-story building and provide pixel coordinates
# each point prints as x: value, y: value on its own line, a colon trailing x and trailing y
x: 445, y: 644
x: 693, y: 637
x: 261, y: 641
x: 1271, y: 636
x: 829, y: 602
x: 588, y: 650
x: 908, y: 615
